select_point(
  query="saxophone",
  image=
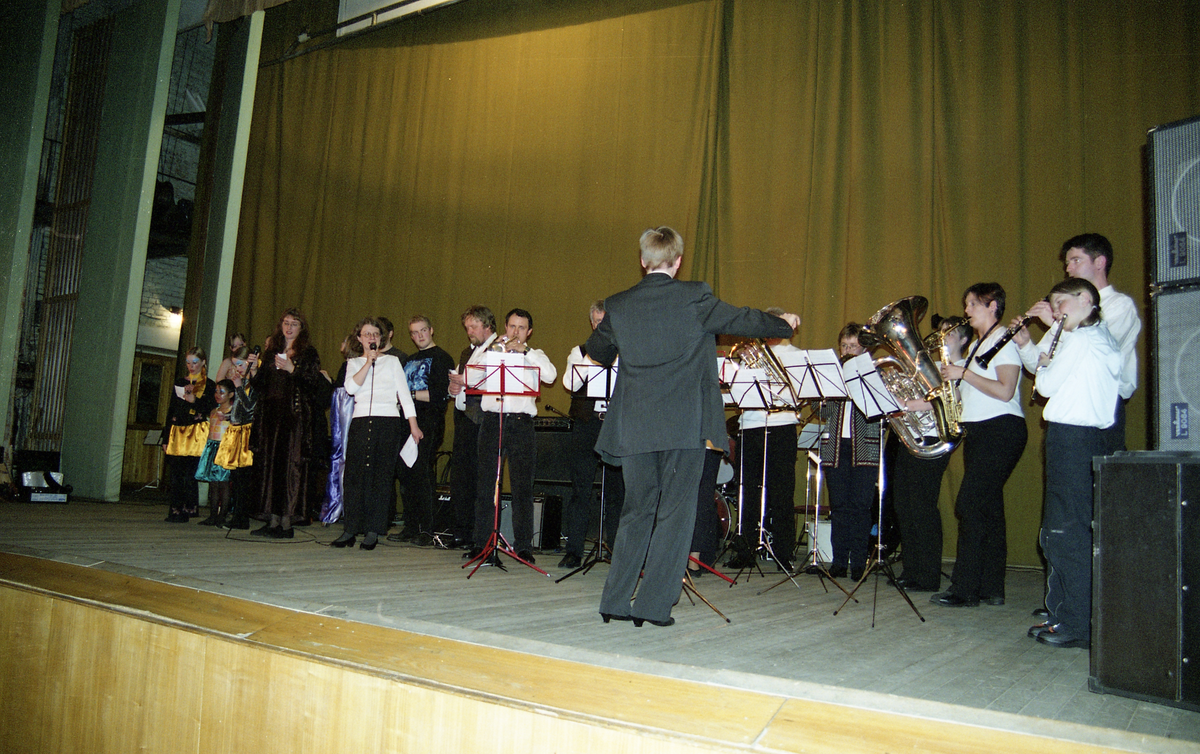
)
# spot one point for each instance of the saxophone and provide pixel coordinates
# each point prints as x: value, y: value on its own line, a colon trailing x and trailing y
x: 909, y: 373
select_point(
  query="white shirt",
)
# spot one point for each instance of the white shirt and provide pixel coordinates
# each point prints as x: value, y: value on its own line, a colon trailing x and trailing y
x: 460, y: 400
x: 789, y: 356
x: 384, y: 390
x: 1081, y: 382
x: 1119, y: 314
x: 572, y: 380
x: 978, y: 406
x: 522, y: 404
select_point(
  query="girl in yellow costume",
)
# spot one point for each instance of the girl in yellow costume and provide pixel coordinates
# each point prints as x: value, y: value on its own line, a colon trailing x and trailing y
x: 185, y: 434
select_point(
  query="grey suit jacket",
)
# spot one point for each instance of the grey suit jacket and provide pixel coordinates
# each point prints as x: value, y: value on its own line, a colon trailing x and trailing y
x: 667, y: 395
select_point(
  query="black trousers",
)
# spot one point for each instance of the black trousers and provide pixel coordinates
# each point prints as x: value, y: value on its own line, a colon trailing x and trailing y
x: 990, y: 450
x: 706, y: 534
x: 851, y: 495
x: 518, y: 445
x: 1066, y: 535
x: 463, y: 475
x: 416, y: 485
x: 185, y: 490
x: 581, y: 509
x: 916, y: 484
x: 781, y: 485
x: 372, y: 447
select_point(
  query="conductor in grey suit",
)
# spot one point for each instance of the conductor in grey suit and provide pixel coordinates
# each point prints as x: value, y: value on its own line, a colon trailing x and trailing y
x: 665, y: 409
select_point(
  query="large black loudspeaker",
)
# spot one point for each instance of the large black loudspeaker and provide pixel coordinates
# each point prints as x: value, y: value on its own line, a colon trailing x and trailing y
x: 1174, y: 151
x: 1174, y: 157
x: 1145, y: 577
x: 1176, y: 367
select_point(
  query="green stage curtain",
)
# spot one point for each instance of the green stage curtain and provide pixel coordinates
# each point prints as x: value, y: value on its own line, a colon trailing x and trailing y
x: 826, y: 157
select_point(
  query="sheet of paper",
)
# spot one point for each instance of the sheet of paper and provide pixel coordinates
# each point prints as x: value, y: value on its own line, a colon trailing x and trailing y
x: 408, y: 453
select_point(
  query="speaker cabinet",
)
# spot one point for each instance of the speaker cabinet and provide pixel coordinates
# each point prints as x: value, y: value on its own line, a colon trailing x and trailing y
x: 1174, y: 153
x: 1176, y: 366
x: 1145, y: 575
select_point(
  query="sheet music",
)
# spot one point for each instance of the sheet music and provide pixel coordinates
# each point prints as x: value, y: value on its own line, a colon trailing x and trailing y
x: 866, y: 387
x: 597, y: 379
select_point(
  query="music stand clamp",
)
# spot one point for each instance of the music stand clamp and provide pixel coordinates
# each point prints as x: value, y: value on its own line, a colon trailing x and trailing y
x: 502, y: 375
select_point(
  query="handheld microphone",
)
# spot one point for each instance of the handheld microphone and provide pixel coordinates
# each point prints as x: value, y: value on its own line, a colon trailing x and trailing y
x: 374, y: 346
x: 257, y: 350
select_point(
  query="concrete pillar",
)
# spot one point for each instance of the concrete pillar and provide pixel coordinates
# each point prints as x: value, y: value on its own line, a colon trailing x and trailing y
x: 114, y: 253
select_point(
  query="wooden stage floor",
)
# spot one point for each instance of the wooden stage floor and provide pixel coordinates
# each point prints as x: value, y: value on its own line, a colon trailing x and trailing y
x: 786, y: 640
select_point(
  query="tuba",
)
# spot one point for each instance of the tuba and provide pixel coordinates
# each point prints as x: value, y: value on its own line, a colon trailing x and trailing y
x: 756, y: 354
x: 909, y: 373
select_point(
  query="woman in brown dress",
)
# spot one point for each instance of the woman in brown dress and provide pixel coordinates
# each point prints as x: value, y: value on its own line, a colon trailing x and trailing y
x: 290, y: 438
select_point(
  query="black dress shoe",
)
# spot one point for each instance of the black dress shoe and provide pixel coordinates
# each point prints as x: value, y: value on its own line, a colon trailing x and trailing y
x: 527, y: 556
x: 741, y: 562
x: 609, y: 616
x: 950, y: 599
x: 1055, y: 636
x: 912, y: 585
x: 1041, y: 612
x: 212, y: 520
x: 837, y: 571
x: 263, y: 532
x: 856, y: 574
x: 282, y: 533
x: 346, y: 540
x: 1035, y: 631
x: 473, y: 553
x: 637, y: 622
x: 369, y: 541
x: 175, y: 517
x: 570, y: 561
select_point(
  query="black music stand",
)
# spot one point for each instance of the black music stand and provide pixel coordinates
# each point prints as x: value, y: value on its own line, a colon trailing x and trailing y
x: 873, y: 398
x: 597, y: 381
x: 500, y: 376
x: 754, y: 389
x: 817, y: 379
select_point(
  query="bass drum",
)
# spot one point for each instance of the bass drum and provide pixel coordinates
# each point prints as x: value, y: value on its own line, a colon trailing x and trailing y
x: 726, y: 511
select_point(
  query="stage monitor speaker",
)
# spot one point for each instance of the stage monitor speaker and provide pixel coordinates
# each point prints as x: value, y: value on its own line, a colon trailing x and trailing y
x: 1175, y: 365
x: 547, y: 520
x: 1174, y: 154
x: 1145, y: 577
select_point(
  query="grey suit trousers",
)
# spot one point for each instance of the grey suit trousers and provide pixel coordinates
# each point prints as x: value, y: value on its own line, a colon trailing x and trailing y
x: 655, y: 532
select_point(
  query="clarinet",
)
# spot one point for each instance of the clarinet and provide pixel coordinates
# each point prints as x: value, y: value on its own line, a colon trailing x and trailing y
x: 986, y: 358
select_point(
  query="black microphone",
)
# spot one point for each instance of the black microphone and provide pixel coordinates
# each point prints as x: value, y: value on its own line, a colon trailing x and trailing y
x: 257, y: 350
x: 374, y: 346
x: 552, y: 409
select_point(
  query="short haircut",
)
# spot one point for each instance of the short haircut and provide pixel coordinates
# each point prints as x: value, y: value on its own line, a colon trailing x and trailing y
x: 420, y: 318
x: 660, y: 247
x: 1075, y: 286
x: 387, y: 326
x: 482, y: 314
x: 987, y: 293
x: 1093, y: 244
x: 851, y: 330
x: 519, y: 313
x: 353, y: 347
x: 228, y: 385
x: 596, y: 307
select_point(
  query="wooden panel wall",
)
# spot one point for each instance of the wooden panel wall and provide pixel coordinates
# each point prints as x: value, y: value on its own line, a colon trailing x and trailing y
x: 98, y: 662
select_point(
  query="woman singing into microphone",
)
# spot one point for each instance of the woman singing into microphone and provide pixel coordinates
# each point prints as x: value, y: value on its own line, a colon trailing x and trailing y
x: 995, y: 438
x: 380, y: 390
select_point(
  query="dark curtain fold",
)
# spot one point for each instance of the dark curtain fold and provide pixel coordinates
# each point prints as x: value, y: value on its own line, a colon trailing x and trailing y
x: 827, y: 157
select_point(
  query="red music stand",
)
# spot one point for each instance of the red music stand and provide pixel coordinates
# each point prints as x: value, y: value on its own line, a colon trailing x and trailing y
x: 501, y: 375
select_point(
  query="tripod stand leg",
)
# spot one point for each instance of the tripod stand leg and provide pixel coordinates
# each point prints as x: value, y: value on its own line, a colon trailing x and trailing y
x: 689, y: 586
